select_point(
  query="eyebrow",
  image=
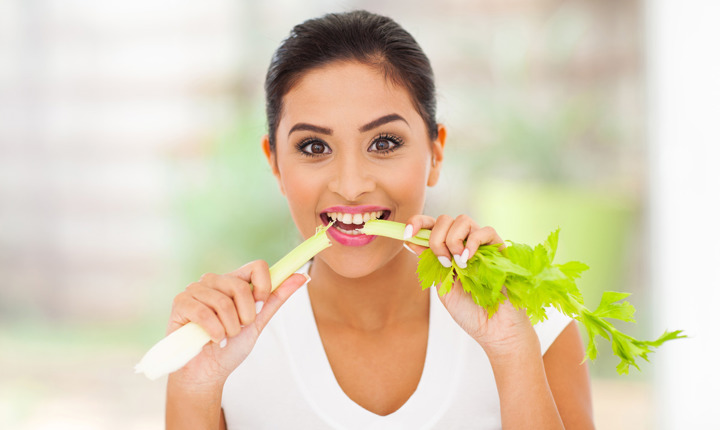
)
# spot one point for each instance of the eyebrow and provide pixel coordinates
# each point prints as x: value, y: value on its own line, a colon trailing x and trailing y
x: 381, y: 121
x: 369, y: 126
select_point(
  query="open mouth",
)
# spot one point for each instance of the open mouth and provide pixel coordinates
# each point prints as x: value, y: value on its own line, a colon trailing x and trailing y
x: 351, y: 223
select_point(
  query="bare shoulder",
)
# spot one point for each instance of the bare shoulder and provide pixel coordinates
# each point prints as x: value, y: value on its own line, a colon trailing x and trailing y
x: 569, y: 378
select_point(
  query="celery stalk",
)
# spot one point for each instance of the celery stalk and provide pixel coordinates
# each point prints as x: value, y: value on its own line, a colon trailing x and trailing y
x: 180, y: 346
x: 394, y: 230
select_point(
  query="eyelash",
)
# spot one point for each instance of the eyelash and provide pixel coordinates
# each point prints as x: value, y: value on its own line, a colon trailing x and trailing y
x: 396, y: 140
x: 306, y: 142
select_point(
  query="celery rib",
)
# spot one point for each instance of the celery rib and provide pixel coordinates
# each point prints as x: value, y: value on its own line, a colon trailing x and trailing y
x: 395, y: 230
x: 179, y: 347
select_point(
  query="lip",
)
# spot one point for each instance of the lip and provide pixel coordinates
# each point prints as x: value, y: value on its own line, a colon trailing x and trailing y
x: 347, y: 239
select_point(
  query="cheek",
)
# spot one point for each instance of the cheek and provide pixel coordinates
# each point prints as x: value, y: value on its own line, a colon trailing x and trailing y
x: 409, y: 185
x: 302, y: 191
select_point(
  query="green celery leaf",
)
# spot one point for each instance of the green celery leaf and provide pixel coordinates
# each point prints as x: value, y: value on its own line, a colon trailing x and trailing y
x: 551, y: 244
x: 610, y: 308
x: 430, y: 271
x: 677, y: 334
x: 532, y: 282
x: 519, y: 254
x: 447, y: 283
x: 573, y: 269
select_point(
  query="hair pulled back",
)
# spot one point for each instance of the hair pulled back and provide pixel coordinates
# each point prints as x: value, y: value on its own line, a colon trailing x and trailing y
x: 361, y: 36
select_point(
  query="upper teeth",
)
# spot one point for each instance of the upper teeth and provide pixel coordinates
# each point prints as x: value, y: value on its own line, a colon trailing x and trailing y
x: 346, y: 218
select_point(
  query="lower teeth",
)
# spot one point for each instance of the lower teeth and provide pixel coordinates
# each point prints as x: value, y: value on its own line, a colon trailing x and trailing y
x: 350, y: 232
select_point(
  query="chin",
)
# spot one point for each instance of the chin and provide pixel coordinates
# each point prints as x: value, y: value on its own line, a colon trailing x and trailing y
x: 359, y: 262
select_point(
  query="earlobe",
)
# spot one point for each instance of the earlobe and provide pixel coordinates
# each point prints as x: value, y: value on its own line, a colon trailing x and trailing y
x: 271, y: 157
x: 438, y: 148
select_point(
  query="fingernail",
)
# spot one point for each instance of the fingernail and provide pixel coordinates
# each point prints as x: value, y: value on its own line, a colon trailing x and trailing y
x: 407, y: 234
x: 445, y: 261
x: 459, y: 261
x: 307, y: 278
x: 409, y: 249
x: 465, y: 255
x: 223, y: 343
x: 258, y: 306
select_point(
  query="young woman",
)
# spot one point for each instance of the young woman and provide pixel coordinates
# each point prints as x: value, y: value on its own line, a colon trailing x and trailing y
x: 352, y: 136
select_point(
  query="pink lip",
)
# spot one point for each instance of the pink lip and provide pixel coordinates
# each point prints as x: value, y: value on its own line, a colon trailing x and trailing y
x: 348, y: 239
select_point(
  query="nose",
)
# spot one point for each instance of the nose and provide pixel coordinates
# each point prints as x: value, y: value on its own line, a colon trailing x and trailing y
x: 351, y: 178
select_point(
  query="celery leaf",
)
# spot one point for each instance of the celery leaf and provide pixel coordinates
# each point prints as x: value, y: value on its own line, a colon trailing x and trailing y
x: 527, y: 277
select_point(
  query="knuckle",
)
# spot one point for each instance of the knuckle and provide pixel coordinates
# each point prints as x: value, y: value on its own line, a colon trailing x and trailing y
x: 227, y: 305
x: 243, y: 288
x: 261, y: 264
x: 178, y: 301
x: 417, y: 219
x: 208, y: 277
x: 192, y: 286
x: 436, y: 241
x: 205, y: 316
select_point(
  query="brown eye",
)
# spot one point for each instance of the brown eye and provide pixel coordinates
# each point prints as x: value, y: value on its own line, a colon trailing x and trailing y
x: 382, y: 145
x: 317, y: 148
x: 314, y: 148
x: 385, y: 143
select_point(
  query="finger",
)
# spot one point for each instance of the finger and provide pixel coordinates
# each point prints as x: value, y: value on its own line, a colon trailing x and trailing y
x: 206, y: 318
x: 482, y: 236
x: 418, y: 222
x: 412, y: 228
x: 278, y: 297
x: 258, y: 274
x: 437, y: 239
x: 224, y: 307
x: 239, y: 291
x: 457, y: 234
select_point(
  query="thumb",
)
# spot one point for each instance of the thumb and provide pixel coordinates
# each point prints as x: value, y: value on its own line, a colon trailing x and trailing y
x: 280, y: 296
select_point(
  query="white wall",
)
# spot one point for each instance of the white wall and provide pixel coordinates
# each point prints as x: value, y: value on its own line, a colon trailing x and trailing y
x: 684, y: 147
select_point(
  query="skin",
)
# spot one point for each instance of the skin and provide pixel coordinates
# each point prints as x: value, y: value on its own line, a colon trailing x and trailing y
x: 371, y: 314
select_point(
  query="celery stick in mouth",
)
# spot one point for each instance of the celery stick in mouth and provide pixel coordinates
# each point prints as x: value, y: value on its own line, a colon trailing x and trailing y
x: 394, y: 230
x: 180, y: 346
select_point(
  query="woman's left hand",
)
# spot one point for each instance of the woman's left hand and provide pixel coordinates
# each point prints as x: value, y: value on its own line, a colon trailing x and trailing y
x: 457, y: 239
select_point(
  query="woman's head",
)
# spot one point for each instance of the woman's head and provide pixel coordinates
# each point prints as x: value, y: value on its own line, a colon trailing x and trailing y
x: 353, y: 134
x: 370, y: 39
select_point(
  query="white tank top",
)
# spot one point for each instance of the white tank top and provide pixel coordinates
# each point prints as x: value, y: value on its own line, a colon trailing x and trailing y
x: 287, y: 382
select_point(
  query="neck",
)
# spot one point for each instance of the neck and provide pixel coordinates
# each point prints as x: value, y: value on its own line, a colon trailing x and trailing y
x: 389, y: 294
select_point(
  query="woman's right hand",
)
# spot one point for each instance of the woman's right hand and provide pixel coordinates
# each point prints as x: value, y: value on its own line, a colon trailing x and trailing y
x: 233, y: 312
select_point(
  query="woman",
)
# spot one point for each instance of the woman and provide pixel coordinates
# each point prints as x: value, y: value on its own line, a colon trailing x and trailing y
x: 352, y: 136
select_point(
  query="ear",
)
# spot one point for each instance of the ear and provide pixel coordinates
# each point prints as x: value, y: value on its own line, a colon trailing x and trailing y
x: 438, y: 147
x: 272, y: 161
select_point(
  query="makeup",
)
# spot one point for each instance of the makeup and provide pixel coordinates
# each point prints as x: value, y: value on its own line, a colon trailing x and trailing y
x: 348, y: 220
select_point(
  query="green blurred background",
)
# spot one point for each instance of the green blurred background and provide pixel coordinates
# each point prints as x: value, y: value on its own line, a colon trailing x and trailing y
x: 140, y: 169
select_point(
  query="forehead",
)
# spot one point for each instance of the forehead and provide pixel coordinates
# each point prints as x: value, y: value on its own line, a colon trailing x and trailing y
x: 345, y: 94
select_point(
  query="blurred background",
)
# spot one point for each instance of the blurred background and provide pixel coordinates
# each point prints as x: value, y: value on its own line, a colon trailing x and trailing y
x: 130, y: 164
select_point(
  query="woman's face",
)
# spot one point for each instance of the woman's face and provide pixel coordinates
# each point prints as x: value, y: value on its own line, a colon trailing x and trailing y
x: 351, y: 146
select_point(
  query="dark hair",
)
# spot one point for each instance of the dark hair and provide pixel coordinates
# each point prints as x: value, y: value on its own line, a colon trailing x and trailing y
x: 361, y: 36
